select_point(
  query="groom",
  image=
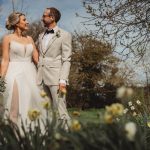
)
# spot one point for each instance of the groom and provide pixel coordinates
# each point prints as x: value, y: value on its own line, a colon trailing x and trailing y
x: 54, y: 61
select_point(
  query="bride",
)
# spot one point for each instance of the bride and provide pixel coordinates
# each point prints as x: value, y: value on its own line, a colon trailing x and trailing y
x: 22, y: 93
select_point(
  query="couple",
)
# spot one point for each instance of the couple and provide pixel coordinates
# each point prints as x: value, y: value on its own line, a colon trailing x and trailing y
x: 22, y: 79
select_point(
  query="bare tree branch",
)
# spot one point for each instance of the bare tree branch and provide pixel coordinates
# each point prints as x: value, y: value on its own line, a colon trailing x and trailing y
x: 13, y: 5
x: 123, y: 23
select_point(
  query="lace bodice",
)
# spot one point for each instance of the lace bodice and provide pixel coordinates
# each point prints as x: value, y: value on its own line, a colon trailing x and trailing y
x: 20, y: 52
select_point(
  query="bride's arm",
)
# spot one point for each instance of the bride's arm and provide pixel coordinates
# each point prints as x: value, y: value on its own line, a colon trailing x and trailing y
x: 35, y: 54
x: 5, y: 55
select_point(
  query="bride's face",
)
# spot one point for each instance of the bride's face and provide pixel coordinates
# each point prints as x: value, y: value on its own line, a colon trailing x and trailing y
x: 23, y: 23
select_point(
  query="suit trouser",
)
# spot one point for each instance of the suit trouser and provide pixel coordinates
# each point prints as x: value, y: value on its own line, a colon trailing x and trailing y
x: 59, y: 103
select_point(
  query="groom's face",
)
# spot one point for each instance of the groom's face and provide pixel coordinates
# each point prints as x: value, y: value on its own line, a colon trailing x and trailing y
x: 47, y: 18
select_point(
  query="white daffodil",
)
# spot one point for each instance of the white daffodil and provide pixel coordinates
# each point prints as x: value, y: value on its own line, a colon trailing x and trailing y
x: 138, y: 102
x: 148, y: 124
x: 132, y: 108
x: 57, y: 136
x: 121, y: 92
x: 131, y: 130
x: 129, y: 92
x: 130, y: 103
x: 134, y: 113
x: 125, y: 110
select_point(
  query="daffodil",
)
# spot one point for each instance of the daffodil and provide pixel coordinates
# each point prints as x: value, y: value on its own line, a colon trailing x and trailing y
x: 46, y: 104
x: 76, y: 113
x: 33, y: 114
x: 75, y: 125
x: 125, y: 110
x: 130, y: 103
x: 115, y: 109
x: 129, y: 92
x: 57, y: 136
x: 124, y: 92
x: 132, y: 108
x: 121, y: 92
x: 148, y: 124
x: 43, y: 93
x: 134, y: 113
x: 138, y: 102
x: 131, y: 130
x: 108, y: 118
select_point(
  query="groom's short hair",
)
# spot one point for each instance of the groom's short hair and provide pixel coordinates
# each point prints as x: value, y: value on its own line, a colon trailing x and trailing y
x: 55, y: 12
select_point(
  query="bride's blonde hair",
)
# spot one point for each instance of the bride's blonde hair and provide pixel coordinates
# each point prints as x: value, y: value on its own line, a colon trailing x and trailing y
x: 12, y: 20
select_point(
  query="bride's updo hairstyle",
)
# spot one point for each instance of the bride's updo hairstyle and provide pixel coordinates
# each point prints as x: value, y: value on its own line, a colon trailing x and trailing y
x: 12, y: 20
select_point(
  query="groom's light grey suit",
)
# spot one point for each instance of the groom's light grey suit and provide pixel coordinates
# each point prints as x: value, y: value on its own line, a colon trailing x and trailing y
x: 54, y: 65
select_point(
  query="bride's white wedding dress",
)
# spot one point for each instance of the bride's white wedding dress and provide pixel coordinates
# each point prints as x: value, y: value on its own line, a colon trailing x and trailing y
x: 22, y: 92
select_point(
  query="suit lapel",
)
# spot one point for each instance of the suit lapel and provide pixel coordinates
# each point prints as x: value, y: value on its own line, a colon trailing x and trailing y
x: 41, y: 43
x: 54, y: 37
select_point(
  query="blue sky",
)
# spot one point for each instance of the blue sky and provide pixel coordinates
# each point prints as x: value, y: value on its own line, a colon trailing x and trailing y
x: 34, y: 9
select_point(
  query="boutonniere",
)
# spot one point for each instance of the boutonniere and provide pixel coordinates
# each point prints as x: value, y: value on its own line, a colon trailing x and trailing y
x: 58, y: 34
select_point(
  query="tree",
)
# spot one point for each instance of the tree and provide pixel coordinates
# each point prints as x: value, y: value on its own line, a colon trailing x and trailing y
x: 35, y: 29
x: 93, y: 77
x: 124, y: 23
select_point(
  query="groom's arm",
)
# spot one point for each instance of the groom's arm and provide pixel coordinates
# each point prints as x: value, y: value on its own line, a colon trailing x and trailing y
x: 66, y: 57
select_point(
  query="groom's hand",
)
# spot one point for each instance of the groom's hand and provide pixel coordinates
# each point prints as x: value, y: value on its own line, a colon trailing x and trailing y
x: 62, y: 88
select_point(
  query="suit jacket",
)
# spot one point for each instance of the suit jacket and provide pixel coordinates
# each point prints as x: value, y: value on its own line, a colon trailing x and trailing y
x: 54, y: 60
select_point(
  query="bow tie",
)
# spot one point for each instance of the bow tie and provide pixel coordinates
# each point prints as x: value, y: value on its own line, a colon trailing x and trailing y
x: 49, y: 31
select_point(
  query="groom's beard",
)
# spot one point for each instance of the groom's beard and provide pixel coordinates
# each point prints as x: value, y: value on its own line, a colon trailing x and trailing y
x: 47, y: 23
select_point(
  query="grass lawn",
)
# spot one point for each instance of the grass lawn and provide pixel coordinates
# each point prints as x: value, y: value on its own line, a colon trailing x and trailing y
x: 88, y: 115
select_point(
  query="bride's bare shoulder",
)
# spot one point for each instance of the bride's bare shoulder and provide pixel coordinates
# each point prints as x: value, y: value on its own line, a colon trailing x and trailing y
x: 7, y: 37
x: 30, y: 38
